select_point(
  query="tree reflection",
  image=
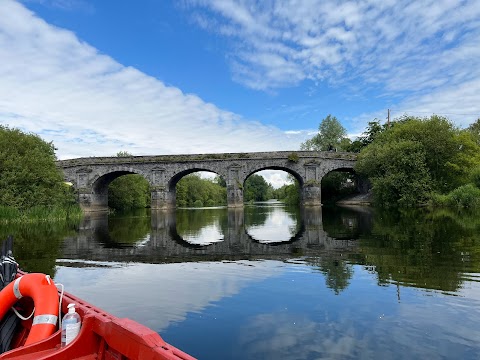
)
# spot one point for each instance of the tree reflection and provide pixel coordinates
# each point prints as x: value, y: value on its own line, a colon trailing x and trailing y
x: 36, y: 247
x: 422, y: 249
x: 338, y: 272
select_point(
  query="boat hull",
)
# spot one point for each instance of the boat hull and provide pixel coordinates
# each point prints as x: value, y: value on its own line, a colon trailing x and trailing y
x: 102, y: 337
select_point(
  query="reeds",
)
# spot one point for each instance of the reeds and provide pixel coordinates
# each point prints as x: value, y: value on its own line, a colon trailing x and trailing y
x: 39, y: 214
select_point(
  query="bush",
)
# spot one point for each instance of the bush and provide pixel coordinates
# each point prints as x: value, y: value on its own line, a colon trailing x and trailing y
x: 397, y: 171
x: 475, y: 176
x: 198, y: 203
x: 28, y: 174
x: 210, y: 202
x: 466, y: 196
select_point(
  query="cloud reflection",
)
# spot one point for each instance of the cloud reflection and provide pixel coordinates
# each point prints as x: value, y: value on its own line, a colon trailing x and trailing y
x: 162, y: 293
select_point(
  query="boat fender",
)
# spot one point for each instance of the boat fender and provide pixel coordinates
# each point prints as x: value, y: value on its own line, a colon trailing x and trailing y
x: 41, y: 289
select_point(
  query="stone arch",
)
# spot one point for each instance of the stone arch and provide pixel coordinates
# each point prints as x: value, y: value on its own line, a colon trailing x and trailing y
x: 172, y: 182
x: 102, y: 180
x: 339, y: 169
x: 164, y: 193
x: 292, y: 172
x: 99, y: 184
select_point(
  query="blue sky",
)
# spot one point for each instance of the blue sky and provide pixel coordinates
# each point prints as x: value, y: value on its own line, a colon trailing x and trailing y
x: 203, y: 76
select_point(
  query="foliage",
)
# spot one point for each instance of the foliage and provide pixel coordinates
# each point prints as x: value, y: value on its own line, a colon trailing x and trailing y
x: 337, y: 184
x: 474, y: 130
x: 293, y: 157
x: 368, y: 136
x: 450, y: 153
x: 28, y: 174
x: 257, y: 189
x: 415, y: 156
x: 130, y: 191
x: 288, y: 193
x: 331, y: 134
x: 193, y: 191
x: 397, y: 171
x: 465, y: 196
x: 475, y: 176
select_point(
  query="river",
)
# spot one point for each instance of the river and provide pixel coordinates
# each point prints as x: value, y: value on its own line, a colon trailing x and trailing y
x: 272, y: 282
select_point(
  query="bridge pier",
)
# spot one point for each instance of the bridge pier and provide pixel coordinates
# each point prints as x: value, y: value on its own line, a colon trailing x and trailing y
x: 92, y: 202
x: 162, y: 199
x: 312, y: 195
x: 234, y: 196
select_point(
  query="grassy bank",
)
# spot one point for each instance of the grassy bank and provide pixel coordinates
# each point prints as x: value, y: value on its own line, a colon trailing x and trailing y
x: 39, y: 214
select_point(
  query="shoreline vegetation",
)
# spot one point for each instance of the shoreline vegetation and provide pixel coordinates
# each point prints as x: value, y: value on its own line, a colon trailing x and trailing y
x: 12, y: 215
x: 408, y: 162
x: 32, y: 188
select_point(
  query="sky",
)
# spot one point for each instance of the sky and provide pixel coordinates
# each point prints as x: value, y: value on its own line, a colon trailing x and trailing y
x: 154, y: 77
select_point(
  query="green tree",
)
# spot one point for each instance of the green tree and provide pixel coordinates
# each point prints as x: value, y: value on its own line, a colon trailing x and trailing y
x: 28, y: 174
x: 474, y: 130
x: 192, y: 190
x: 128, y: 191
x: 288, y: 193
x: 417, y: 155
x: 398, y: 172
x: 257, y: 189
x: 331, y: 134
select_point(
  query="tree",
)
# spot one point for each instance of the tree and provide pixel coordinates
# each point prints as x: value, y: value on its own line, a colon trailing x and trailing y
x: 450, y: 153
x: 289, y: 193
x: 128, y: 191
x: 192, y: 190
x: 474, y: 130
x: 331, y: 134
x: 256, y: 189
x: 398, y: 172
x: 417, y: 155
x: 28, y: 173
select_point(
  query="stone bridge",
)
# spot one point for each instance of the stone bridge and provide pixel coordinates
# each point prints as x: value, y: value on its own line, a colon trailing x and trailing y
x: 91, y: 176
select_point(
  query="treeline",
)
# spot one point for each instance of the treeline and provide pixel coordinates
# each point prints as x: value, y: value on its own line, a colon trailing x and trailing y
x: 418, y: 161
x: 133, y: 191
x: 194, y: 191
x: 31, y: 186
x: 412, y: 161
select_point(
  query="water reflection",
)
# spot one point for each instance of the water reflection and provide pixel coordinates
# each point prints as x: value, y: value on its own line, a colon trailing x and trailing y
x: 186, y: 235
x: 430, y: 250
x: 271, y: 222
x: 331, y: 283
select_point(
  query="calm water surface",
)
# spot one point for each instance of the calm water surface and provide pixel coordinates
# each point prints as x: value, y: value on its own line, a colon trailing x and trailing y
x: 270, y: 282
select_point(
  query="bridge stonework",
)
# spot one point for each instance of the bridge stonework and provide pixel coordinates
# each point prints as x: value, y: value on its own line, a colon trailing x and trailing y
x: 91, y: 176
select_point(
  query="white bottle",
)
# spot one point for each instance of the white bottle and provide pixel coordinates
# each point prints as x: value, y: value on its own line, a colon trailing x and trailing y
x: 70, y: 325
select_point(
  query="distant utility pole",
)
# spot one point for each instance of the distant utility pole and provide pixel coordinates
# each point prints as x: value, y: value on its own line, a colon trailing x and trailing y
x: 388, y: 117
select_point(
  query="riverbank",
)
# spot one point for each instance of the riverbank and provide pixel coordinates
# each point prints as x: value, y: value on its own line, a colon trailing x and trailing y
x: 357, y: 199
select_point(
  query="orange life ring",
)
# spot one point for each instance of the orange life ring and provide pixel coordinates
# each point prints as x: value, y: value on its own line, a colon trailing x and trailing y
x: 44, y: 293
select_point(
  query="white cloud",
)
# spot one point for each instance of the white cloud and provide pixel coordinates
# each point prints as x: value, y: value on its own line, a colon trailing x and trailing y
x: 425, y: 52
x: 57, y: 86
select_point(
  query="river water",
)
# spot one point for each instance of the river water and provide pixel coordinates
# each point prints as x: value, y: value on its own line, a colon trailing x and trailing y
x: 271, y: 282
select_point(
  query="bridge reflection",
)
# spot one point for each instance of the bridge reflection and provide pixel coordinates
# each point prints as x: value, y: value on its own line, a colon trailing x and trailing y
x: 160, y: 237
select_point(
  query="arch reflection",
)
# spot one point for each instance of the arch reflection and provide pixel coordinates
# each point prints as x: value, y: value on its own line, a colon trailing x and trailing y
x: 186, y: 235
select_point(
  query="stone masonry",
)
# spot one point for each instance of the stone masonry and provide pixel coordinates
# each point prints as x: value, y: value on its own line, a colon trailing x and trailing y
x: 91, y: 176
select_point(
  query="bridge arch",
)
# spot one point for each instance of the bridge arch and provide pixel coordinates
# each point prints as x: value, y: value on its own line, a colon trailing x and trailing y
x: 330, y: 188
x: 171, y: 188
x: 288, y: 170
x: 98, y: 196
x: 172, y: 183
